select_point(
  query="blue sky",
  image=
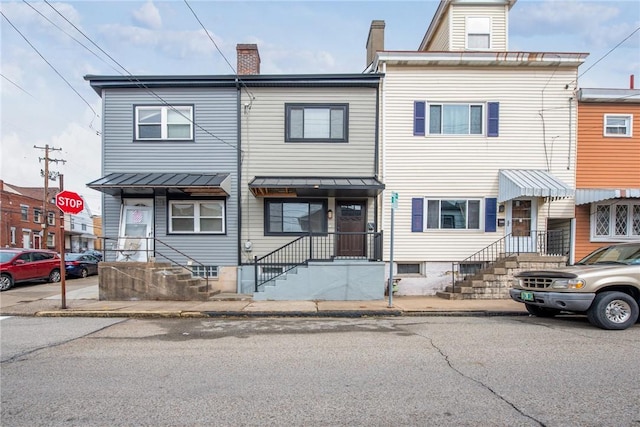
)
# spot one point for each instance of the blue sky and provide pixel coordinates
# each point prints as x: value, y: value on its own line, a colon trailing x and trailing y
x: 52, y: 104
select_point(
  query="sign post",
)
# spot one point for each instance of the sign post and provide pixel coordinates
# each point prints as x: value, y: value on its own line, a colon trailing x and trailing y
x: 394, y: 206
x: 71, y: 203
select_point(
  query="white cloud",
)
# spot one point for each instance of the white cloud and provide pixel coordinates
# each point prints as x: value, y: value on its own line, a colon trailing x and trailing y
x: 148, y: 16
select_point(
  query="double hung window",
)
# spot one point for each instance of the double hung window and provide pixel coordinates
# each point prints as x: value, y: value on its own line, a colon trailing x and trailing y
x: 620, y: 220
x: 37, y: 215
x: 450, y: 118
x: 316, y: 122
x: 617, y: 125
x: 24, y: 212
x: 197, y: 217
x: 51, y: 218
x: 478, y: 33
x: 453, y: 214
x: 295, y: 216
x: 164, y: 123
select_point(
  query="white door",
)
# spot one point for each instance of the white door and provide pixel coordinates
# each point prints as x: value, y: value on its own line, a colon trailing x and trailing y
x: 26, y: 239
x: 521, y: 225
x: 135, y: 239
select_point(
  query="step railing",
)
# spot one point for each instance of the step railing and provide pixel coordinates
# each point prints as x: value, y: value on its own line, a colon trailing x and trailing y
x: 316, y: 247
x: 143, y: 249
x: 553, y: 242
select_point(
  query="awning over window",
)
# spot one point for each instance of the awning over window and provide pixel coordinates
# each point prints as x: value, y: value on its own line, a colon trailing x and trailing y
x: 591, y: 195
x: 262, y: 186
x: 195, y: 184
x: 514, y: 183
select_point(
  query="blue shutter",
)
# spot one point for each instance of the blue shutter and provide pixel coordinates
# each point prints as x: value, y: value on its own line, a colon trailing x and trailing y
x: 490, y: 214
x: 417, y: 214
x: 492, y: 118
x: 419, y: 109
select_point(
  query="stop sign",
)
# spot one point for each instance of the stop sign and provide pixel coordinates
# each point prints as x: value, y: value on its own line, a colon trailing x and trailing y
x: 69, y: 202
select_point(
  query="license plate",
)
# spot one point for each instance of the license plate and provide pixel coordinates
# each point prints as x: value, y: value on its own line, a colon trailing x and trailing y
x: 526, y: 296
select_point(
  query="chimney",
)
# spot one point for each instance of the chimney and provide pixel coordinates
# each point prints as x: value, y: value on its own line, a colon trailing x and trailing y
x: 375, y: 41
x: 248, y: 59
x: 631, y: 80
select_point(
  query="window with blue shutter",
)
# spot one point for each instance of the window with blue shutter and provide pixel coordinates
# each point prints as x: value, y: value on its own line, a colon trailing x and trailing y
x: 492, y: 118
x: 490, y: 214
x: 419, y: 109
x: 417, y: 214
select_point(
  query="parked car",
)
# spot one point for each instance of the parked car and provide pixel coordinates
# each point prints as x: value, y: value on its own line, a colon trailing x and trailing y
x: 94, y: 252
x: 605, y: 285
x: 23, y: 265
x: 80, y: 265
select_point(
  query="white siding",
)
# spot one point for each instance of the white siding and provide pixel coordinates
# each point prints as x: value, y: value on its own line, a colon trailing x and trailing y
x: 536, y: 132
x: 498, y: 15
x: 440, y: 39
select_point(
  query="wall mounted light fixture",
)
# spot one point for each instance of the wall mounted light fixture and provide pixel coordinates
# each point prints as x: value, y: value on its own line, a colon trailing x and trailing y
x: 330, y: 214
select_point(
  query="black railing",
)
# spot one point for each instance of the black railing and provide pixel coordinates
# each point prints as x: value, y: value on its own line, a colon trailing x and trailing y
x: 143, y: 249
x: 316, y: 247
x: 554, y: 242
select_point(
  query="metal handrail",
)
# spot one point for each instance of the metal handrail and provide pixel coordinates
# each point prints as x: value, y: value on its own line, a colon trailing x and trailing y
x: 542, y: 242
x: 156, y: 253
x: 313, y: 247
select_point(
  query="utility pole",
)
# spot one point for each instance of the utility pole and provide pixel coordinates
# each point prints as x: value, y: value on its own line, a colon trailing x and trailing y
x: 47, y: 176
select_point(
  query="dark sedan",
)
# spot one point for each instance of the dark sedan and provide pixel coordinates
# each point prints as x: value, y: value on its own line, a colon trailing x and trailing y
x: 80, y: 265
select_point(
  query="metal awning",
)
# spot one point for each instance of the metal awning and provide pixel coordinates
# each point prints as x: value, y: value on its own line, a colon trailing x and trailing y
x: 195, y: 184
x: 514, y: 183
x: 591, y: 195
x: 273, y: 186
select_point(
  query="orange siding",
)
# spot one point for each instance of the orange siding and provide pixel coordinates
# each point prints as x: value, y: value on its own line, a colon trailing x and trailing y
x: 584, y: 246
x: 607, y: 162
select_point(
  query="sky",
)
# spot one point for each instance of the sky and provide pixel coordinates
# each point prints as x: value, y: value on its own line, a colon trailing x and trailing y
x: 45, y: 101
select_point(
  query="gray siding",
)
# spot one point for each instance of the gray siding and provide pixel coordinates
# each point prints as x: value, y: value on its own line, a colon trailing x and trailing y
x: 213, y: 151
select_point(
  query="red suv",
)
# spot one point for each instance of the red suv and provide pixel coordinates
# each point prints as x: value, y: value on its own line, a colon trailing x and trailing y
x: 22, y: 265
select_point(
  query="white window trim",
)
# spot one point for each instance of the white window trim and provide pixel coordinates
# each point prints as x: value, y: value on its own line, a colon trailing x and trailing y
x: 612, y: 237
x: 37, y: 216
x: 164, y: 128
x: 13, y: 235
x: 425, y: 211
x: 51, y: 218
x: 483, y: 120
x: 627, y: 117
x: 469, y: 31
x: 196, y: 216
x: 24, y: 208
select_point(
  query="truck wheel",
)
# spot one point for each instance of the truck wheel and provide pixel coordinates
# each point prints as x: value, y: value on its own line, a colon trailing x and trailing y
x: 6, y: 282
x: 54, y: 276
x: 613, y: 310
x: 541, y: 311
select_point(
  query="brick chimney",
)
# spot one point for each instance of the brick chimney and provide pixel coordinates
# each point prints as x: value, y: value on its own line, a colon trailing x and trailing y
x: 248, y: 59
x: 375, y: 41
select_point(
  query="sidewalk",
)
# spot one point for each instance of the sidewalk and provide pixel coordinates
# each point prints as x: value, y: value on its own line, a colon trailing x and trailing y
x: 84, y: 303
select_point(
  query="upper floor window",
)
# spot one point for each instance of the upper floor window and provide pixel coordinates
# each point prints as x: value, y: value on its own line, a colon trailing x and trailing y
x: 51, y: 218
x: 164, y: 123
x: 618, y: 125
x: 37, y: 215
x: 478, y: 32
x: 84, y: 227
x: 620, y: 220
x: 205, y: 217
x: 316, y: 122
x: 24, y: 212
x: 295, y: 216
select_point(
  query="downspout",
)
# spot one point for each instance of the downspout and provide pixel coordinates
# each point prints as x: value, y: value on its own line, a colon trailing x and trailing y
x: 384, y: 139
x: 239, y: 174
x: 376, y: 161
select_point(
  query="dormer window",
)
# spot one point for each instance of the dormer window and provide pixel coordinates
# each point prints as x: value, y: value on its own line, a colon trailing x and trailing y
x: 478, y: 33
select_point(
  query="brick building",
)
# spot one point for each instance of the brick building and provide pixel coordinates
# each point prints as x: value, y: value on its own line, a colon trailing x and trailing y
x: 24, y: 221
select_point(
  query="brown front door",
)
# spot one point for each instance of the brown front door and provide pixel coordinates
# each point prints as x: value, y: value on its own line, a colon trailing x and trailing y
x: 351, y: 218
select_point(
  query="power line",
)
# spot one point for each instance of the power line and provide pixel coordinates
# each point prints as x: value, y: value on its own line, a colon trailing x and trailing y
x: 16, y: 85
x: 133, y: 79
x: 49, y: 64
x: 612, y: 49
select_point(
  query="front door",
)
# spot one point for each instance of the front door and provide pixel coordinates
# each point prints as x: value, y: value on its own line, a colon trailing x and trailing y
x: 135, y: 241
x: 351, y: 226
x: 521, y: 220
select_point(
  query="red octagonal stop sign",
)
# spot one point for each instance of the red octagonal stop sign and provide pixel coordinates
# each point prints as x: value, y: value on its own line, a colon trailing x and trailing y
x: 69, y: 202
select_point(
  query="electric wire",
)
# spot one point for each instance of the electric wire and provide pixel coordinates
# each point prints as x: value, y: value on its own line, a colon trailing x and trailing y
x: 16, y: 85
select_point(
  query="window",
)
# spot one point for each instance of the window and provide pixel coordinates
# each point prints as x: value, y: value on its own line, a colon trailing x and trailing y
x: 457, y: 214
x: 618, y: 125
x: 164, y: 123
x: 408, y: 268
x: 620, y: 220
x: 316, y: 123
x: 455, y: 119
x: 24, y: 212
x: 37, y: 216
x: 295, y: 216
x: 204, y: 217
x: 13, y: 235
x: 51, y: 218
x: 478, y: 33
x: 83, y: 227
x: 51, y: 240
x: 72, y: 223
x: 204, y: 270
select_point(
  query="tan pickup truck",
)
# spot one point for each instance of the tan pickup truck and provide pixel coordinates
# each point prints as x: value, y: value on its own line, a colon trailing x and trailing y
x: 605, y: 286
